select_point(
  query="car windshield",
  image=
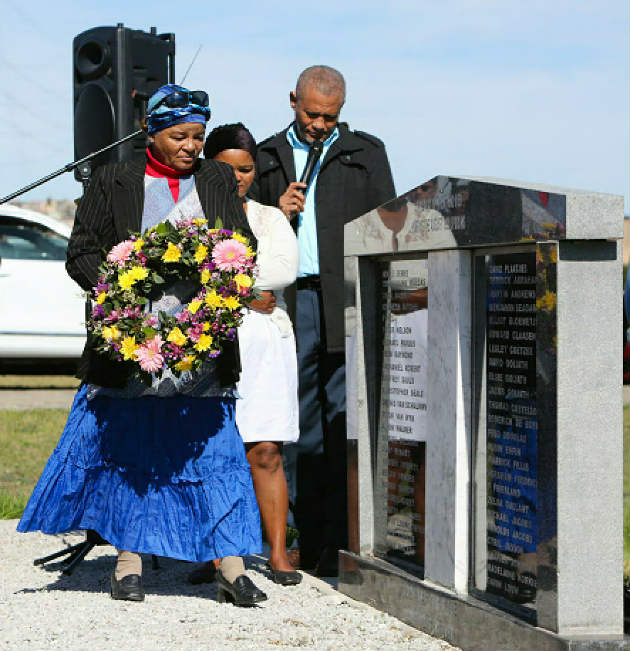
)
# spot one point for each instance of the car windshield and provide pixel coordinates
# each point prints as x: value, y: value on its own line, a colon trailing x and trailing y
x: 24, y: 240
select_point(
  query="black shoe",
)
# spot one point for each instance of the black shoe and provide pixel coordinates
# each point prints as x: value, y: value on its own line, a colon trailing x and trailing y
x: 284, y: 577
x: 205, y: 573
x: 328, y: 564
x: 242, y: 592
x: 129, y: 588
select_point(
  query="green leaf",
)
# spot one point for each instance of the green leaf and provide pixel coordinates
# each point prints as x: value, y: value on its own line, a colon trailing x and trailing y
x: 157, y: 279
x: 162, y: 228
x: 149, y: 333
x: 218, y: 222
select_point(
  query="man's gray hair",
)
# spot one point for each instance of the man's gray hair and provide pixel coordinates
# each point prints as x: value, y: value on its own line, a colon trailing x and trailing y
x: 325, y: 79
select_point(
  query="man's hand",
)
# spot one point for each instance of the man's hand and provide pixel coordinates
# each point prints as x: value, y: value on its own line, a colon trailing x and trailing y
x: 292, y: 201
x: 265, y: 303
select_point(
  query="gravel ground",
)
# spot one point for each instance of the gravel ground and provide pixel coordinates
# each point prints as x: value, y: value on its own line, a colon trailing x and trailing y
x: 42, y: 609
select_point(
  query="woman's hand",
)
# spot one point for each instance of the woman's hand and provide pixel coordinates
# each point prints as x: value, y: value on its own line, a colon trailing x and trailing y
x: 265, y: 303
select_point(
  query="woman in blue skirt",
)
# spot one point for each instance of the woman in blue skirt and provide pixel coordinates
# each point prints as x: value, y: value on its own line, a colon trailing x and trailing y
x: 157, y: 469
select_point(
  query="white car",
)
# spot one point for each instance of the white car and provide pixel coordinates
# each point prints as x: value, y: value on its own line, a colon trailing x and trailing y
x: 42, y: 310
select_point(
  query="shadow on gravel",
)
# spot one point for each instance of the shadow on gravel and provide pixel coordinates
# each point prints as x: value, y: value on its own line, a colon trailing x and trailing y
x: 171, y: 578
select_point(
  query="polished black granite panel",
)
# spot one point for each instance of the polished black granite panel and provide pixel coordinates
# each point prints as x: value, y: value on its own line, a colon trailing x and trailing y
x: 401, y: 449
x: 511, y: 426
x: 515, y: 445
x: 450, y: 212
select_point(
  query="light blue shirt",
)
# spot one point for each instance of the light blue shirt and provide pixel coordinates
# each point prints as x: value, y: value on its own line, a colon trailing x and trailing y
x: 307, y: 226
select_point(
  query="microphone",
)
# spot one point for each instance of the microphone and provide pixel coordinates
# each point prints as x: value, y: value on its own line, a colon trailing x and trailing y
x: 311, y: 161
x: 314, y: 154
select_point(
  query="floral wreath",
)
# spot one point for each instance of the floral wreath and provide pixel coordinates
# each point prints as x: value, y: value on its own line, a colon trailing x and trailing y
x: 220, y: 260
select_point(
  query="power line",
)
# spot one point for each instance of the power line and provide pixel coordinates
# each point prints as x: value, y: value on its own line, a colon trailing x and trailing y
x: 26, y: 17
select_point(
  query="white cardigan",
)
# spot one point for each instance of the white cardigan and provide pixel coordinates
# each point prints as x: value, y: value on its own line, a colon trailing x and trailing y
x: 277, y: 254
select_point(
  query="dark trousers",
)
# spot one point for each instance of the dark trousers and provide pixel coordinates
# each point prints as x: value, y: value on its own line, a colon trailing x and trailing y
x: 316, y: 464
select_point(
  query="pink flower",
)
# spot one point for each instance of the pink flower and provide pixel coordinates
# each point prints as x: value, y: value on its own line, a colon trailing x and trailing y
x: 229, y: 254
x: 120, y: 253
x: 150, y: 321
x: 149, y: 355
x: 131, y: 313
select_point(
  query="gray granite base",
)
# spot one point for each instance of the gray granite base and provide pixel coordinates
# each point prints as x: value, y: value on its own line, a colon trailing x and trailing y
x: 463, y: 621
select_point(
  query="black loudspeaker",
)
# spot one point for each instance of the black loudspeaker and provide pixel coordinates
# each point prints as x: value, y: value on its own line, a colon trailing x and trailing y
x: 115, y: 70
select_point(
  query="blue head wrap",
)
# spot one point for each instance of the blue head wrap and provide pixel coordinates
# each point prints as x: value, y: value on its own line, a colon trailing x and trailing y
x: 164, y: 116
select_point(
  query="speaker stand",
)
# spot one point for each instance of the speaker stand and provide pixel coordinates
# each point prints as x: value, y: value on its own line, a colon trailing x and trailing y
x: 76, y: 553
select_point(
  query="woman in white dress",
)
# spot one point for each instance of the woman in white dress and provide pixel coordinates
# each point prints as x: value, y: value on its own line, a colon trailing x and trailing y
x: 267, y: 414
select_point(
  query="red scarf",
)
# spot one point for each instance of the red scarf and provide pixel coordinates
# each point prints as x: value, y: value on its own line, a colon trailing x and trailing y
x: 159, y: 170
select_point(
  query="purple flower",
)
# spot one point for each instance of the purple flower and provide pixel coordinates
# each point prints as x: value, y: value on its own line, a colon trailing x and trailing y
x: 98, y: 312
x: 214, y: 353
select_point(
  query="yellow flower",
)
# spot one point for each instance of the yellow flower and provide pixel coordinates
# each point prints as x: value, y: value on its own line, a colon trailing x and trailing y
x: 138, y: 273
x: 193, y: 306
x: 240, y: 238
x: 198, y: 221
x: 126, y: 280
x: 205, y: 276
x: 250, y: 252
x: 205, y: 326
x: 137, y: 245
x: 185, y: 364
x: 205, y: 341
x: 111, y: 333
x: 128, y: 347
x: 172, y: 253
x: 547, y: 302
x: 242, y: 280
x: 213, y: 299
x: 549, y: 226
x: 100, y: 299
x: 177, y: 337
x: 553, y: 256
x: 232, y: 303
x: 200, y: 253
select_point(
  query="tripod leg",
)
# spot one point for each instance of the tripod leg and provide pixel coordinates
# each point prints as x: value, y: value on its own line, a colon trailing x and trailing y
x: 64, y: 552
x: 77, y: 558
x: 76, y: 554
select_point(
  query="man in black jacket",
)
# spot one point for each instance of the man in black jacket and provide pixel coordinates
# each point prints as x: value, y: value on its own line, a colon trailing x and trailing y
x: 351, y: 177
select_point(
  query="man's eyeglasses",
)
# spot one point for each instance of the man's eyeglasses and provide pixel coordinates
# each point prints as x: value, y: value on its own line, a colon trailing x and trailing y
x: 181, y: 99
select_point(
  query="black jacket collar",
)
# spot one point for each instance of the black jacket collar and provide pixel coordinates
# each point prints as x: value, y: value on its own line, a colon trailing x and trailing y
x: 279, y: 146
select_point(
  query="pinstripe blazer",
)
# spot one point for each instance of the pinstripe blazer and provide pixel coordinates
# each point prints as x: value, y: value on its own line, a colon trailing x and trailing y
x: 112, y: 208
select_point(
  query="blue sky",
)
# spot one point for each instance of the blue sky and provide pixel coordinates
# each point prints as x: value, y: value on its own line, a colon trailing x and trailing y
x: 528, y: 90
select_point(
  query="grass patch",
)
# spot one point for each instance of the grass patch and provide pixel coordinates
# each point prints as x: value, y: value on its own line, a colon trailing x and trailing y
x: 26, y: 440
x: 39, y: 382
x: 11, y: 506
x: 626, y: 492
